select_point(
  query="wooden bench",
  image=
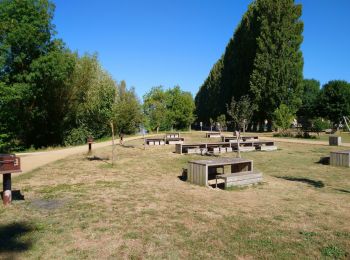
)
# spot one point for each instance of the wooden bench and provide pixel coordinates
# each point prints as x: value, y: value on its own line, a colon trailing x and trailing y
x: 172, y: 135
x: 240, y: 178
x: 155, y: 141
x: 174, y: 140
x: 213, y: 135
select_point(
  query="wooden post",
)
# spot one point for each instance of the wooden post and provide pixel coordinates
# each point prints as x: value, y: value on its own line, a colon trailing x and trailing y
x: 238, y: 136
x: 6, y: 195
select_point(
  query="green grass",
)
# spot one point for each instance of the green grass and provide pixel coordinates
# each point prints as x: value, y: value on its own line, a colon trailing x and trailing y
x: 139, y: 208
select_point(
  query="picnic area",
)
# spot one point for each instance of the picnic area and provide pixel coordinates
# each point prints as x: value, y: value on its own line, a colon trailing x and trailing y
x: 141, y: 208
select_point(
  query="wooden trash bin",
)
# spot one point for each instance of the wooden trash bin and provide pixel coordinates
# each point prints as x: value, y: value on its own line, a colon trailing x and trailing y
x: 334, y: 140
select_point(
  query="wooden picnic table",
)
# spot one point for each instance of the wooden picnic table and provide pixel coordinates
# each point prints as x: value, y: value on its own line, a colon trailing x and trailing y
x: 200, y: 171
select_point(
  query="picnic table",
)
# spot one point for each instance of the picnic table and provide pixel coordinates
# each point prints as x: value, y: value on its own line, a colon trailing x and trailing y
x: 201, y: 171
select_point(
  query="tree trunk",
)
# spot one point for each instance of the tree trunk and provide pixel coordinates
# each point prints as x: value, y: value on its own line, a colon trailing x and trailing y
x: 157, y: 129
x: 113, y: 146
x: 238, y: 136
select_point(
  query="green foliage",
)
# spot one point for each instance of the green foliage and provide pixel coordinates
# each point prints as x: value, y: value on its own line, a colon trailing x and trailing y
x: 92, y: 97
x: 263, y: 60
x: 310, y: 94
x: 76, y: 136
x: 155, y: 108
x: 49, y: 95
x: 319, y: 124
x: 277, y: 74
x: 240, y: 111
x: 334, y: 101
x: 165, y: 109
x: 283, y: 117
x: 180, y: 108
x: 126, y: 112
x: 222, y: 120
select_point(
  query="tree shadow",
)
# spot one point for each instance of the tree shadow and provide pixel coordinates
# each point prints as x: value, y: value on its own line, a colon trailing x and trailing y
x: 342, y: 190
x: 11, y: 237
x: 316, y: 184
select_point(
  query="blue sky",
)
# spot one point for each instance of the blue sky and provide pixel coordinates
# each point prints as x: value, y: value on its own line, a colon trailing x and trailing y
x: 175, y: 42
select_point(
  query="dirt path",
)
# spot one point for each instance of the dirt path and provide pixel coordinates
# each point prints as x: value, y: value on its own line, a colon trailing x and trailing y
x: 31, y: 161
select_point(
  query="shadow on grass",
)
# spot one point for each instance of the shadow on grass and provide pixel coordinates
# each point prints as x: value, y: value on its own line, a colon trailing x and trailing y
x: 316, y: 184
x: 324, y: 160
x: 11, y: 237
x: 342, y: 190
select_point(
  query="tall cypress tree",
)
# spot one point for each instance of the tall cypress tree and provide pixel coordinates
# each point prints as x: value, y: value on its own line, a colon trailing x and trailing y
x: 262, y: 60
x: 278, y: 66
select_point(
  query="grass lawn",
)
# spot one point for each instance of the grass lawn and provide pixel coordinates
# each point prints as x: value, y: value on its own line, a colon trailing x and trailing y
x: 75, y: 208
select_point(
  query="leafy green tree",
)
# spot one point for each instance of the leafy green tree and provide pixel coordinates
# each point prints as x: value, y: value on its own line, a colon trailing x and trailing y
x: 278, y: 66
x: 334, y: 101
x: 319, y: 125
x: 50, y: 89
x: 25, y: 34
x: 283, y: 117
x: 262, y: 60
x: 92, y: 96
x: 154, y: 106
x: 241, y: 112
x: 222, y: 121
x: 180, y: 107
x: 172, y: 108
x: 310, y: 95
x: 127, y: 112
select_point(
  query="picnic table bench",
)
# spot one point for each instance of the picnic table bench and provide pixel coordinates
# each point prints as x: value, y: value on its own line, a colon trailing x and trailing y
x: 239, y: 178
x: 243, y: 138
x: 172, y: 135
x: 212, y: 134
x: 155, y: 141
x: 174, y: 140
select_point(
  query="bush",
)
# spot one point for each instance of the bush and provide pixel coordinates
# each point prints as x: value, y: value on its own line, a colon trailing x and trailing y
x: 283, y: 117
x: 77, y: 136
x: 319, y: 124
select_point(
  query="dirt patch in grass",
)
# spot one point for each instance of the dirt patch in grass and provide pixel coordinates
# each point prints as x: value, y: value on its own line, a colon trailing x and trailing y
x: 139, y: 208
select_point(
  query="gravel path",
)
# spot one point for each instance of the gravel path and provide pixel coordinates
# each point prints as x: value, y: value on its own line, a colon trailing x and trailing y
x: 31, y: 161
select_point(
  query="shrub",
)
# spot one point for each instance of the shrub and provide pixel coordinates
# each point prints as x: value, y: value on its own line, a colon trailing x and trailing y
x: 283, y: 117
x: 77, y: 136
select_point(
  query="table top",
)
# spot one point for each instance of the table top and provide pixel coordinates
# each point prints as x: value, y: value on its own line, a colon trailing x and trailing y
x: 221, y: 161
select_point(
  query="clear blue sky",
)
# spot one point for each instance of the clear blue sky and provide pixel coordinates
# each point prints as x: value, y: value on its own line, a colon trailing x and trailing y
x: 175, y: 42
